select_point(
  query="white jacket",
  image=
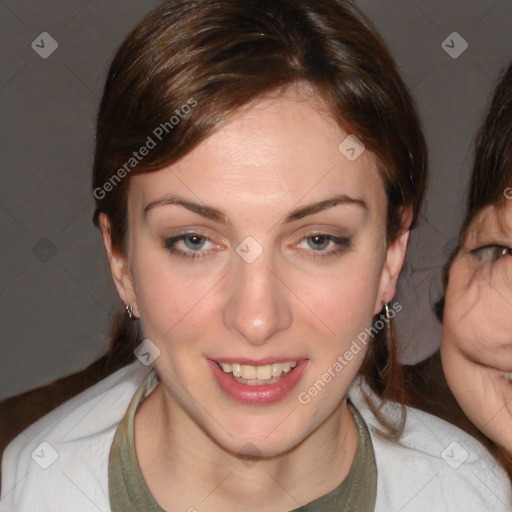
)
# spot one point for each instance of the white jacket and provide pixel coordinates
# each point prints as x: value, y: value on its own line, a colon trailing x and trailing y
x: 436, y: 467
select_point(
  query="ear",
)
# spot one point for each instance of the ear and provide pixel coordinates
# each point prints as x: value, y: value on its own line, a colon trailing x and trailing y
x: 395, y: 256
x: 119, y: 268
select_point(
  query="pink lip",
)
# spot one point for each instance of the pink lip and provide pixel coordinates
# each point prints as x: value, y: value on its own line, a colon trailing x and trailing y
x: 264, y: 394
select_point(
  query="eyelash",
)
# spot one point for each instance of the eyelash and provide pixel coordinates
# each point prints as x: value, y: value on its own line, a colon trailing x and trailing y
x: 504, y: 251
x: 341, y: 245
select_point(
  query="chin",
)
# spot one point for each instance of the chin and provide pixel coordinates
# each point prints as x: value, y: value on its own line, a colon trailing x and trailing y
x: 264, y: 444
x: 263, y: 448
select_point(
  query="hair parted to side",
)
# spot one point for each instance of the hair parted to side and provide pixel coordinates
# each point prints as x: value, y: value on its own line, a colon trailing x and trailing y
x: 220, y: 55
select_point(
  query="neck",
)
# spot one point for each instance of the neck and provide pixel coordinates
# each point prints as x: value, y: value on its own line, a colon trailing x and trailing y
x: 184, y: 467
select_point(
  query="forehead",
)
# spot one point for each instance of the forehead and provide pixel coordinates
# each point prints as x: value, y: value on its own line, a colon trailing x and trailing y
x: 283, y: 149
x: 492, y: 222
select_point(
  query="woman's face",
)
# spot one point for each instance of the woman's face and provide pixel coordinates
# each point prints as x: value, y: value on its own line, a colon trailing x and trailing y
x: 262, y: 251
x: 477, y: 325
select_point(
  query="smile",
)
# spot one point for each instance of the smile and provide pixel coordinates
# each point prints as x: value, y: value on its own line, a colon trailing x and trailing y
x: 257, y: 384
x: 257, y: 375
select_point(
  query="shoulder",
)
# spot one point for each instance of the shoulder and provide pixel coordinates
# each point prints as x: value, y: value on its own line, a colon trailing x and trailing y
x: 434, y: 466
x: 61, y: 461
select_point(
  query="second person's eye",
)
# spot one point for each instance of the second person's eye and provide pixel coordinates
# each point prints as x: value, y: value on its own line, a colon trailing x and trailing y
x: 491, y: 253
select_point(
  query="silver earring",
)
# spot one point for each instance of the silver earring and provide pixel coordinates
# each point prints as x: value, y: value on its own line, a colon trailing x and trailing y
x: 129, y: 310
x: 388, y: 320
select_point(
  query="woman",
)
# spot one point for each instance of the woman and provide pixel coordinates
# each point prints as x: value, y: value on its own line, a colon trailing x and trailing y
x: 258, y: 168
x: 476, y: 348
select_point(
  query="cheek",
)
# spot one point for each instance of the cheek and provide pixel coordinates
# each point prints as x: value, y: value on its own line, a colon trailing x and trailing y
x: 171, y: 301
x: 181, y: 301
x: 478, y: 310
x: 474, y: 388
x: 453, y: 362
x: 345, y: 298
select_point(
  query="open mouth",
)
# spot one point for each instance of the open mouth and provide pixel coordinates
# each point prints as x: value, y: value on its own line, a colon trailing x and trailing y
x: 258, y: 384
x: 258, y: 375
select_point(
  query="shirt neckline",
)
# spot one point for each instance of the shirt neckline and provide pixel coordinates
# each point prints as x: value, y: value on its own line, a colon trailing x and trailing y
x: 128, y: 490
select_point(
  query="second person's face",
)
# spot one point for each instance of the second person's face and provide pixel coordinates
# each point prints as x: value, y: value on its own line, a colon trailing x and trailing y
x: 477, y: 325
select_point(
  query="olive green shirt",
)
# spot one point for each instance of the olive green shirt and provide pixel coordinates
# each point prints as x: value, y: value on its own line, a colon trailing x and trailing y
x: 128, y: 491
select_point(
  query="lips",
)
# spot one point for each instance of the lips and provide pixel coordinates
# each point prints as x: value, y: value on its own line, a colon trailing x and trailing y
x: 264, y: 383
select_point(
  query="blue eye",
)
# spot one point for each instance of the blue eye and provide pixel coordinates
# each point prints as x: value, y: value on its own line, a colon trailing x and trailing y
x: 194, y: 242
x: 491, y: 253
x: 323, y: 245
x: 318, y: 242
x: 187, y: 245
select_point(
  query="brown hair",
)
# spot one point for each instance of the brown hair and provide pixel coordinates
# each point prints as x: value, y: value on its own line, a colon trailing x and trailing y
x: 492, y: 166
x: 492, y: 169
x: 190, y: 65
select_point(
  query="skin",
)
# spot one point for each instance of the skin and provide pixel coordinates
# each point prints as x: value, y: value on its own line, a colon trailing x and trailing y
x: 278, y: 155
x: 477, y: 324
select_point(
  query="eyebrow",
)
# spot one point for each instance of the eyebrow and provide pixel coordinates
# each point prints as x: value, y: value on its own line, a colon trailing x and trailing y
x: 218, y: 216
x: 205, y: 211
x: 324, y: 205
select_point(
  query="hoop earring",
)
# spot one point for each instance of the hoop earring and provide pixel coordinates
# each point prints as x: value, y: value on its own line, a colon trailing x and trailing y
x: 386, y: 309
x: 129, y: 310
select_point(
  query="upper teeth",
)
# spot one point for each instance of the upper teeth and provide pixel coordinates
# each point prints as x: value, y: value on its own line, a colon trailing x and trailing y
x: 507, y: 375
x: 266, y: 372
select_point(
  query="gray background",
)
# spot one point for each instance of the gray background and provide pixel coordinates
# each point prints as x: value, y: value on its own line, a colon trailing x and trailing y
x: 56, y: 295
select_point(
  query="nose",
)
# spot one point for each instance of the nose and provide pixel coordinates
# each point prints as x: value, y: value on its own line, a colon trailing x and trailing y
x: 257, y: 307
